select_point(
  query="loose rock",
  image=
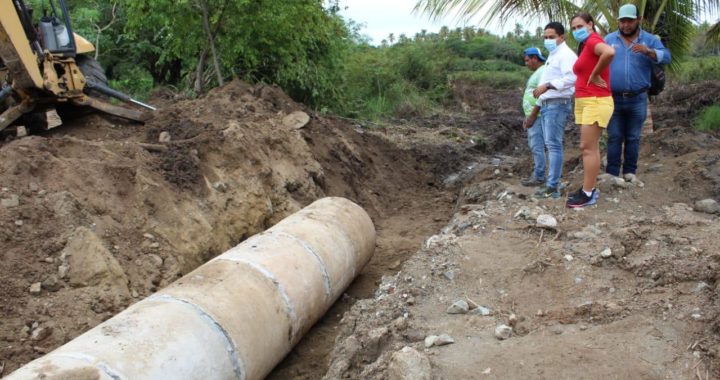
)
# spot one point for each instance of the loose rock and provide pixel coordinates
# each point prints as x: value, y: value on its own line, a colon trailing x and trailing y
x: 91, y: 264
x: 220, y: 186
x: 633, y: 179
x: 708, y: 206
x: 471, y: 304
x: 41, y: 333
x: 482, y: 310
x: 702, y: 285
x: 606, y: 253
x: 459, y: 307
x: 619, y: 182
x: 296, y: 120
x: 409, y: 364
x: 36, y: 288
x: 63, y: 270
x: 512, y: 320
x: 11, y: 202
x: 546, y: 221
x: 441, y: 340
x: 51, y: 284
x: 503, y: 332
x: 444, y: 339
x: 430, y: 340
x: 164, y: 137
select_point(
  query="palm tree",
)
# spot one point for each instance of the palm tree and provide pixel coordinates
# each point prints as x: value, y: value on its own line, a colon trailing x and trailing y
x: 713, y: 34
x: 672, y: 20
x: 444, y: 32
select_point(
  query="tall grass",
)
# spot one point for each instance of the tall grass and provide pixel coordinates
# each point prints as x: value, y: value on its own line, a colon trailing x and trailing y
x: 708, y: 120
x: 700, y: 69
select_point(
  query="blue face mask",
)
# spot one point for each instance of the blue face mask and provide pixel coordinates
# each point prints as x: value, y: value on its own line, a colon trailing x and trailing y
x: 550, y: 45
x: 581, y: 34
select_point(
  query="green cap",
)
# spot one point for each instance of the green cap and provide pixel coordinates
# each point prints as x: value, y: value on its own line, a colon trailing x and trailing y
x: 628, y: 11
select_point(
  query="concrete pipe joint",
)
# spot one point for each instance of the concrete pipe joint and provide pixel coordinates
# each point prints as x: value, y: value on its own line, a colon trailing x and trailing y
x: 234, y: 317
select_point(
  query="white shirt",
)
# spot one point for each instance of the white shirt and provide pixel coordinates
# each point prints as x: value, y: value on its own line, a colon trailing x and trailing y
x: 559, y: 73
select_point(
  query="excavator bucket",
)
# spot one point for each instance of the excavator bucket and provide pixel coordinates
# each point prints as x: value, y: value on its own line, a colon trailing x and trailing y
x: 13, y: 113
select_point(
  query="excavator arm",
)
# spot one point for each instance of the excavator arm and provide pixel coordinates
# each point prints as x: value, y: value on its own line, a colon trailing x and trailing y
x: 41, y: 66
x: 15, y: 50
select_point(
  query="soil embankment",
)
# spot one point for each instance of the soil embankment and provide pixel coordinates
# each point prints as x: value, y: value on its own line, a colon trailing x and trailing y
x: 99, y: 214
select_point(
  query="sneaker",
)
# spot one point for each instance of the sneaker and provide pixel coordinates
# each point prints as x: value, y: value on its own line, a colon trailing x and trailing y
x: 547, y: 192
x: 579, y: 199
x: 532, y: 181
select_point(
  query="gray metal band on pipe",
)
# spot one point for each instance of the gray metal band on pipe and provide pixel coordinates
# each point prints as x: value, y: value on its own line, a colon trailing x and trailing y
x: 234, y: 317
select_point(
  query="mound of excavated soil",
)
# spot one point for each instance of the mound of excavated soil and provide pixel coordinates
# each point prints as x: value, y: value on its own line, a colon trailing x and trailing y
x: 99, y: 213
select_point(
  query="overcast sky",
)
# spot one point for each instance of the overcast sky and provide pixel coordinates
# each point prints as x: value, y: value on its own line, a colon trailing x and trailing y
x: 382, y: 17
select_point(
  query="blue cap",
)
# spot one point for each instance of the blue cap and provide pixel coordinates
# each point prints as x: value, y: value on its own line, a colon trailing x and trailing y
x: 628, y: 11
x: 536, y: 52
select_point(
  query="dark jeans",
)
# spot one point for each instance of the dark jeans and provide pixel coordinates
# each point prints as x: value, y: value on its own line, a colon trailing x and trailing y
x: 625, y: 127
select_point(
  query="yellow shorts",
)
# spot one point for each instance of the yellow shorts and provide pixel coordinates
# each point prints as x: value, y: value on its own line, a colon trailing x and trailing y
x: 591, y: 110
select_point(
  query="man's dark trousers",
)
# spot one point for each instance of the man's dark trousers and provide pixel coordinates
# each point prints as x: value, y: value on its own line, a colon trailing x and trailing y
x: 625, y: 127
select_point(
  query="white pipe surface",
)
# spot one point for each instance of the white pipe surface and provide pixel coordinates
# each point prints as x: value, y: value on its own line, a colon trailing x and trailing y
x: 234, y: 317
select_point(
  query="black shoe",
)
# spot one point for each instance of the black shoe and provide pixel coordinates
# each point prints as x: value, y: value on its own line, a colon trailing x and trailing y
x: 579, y: 199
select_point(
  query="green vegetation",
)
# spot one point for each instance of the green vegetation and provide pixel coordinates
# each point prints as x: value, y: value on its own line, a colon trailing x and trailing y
x: 306, y: 48
x: 414, y: 75
x: 693, y: 70
x: 672, y: 20
x: 709, y: 119
x: 315, y: 55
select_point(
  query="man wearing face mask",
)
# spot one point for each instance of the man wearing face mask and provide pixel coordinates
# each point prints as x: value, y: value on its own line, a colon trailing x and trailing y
x: 635, y: 53
x: 555, y: 103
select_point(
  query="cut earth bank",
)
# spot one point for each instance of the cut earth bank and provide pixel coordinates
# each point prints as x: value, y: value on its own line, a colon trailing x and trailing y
x: 144, y: 213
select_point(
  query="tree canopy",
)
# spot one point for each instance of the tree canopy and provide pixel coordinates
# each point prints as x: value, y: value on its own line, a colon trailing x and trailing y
x: 672, y: 20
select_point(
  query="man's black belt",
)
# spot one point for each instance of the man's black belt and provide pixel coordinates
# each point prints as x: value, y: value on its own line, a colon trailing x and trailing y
x: 628, y: 94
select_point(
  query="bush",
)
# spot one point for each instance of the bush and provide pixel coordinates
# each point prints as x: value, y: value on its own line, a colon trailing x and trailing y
x: 697, y: 70
x: 136, y: 81
x: 709, y: 119
x: 494, y: 79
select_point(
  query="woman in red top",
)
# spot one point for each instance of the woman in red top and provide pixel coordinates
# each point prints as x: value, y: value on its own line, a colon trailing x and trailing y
x: 593, y: 102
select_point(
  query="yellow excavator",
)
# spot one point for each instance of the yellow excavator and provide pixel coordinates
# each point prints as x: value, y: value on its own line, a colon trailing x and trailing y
x: 46, y: 65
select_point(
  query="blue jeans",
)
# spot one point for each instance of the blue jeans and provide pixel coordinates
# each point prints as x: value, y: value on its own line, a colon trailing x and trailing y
x: 537, y: 148
x: 554, y: 113
x: 625, y: 127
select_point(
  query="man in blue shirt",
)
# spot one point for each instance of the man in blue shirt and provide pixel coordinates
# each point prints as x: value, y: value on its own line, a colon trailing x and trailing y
x: 635, y: 53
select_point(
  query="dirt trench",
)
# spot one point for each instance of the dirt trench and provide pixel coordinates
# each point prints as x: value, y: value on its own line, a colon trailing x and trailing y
x: 143, y: 213
x: 453, y: 223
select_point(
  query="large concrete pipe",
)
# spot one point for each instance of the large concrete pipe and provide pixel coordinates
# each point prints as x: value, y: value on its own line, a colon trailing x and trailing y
x: 234, y: 317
